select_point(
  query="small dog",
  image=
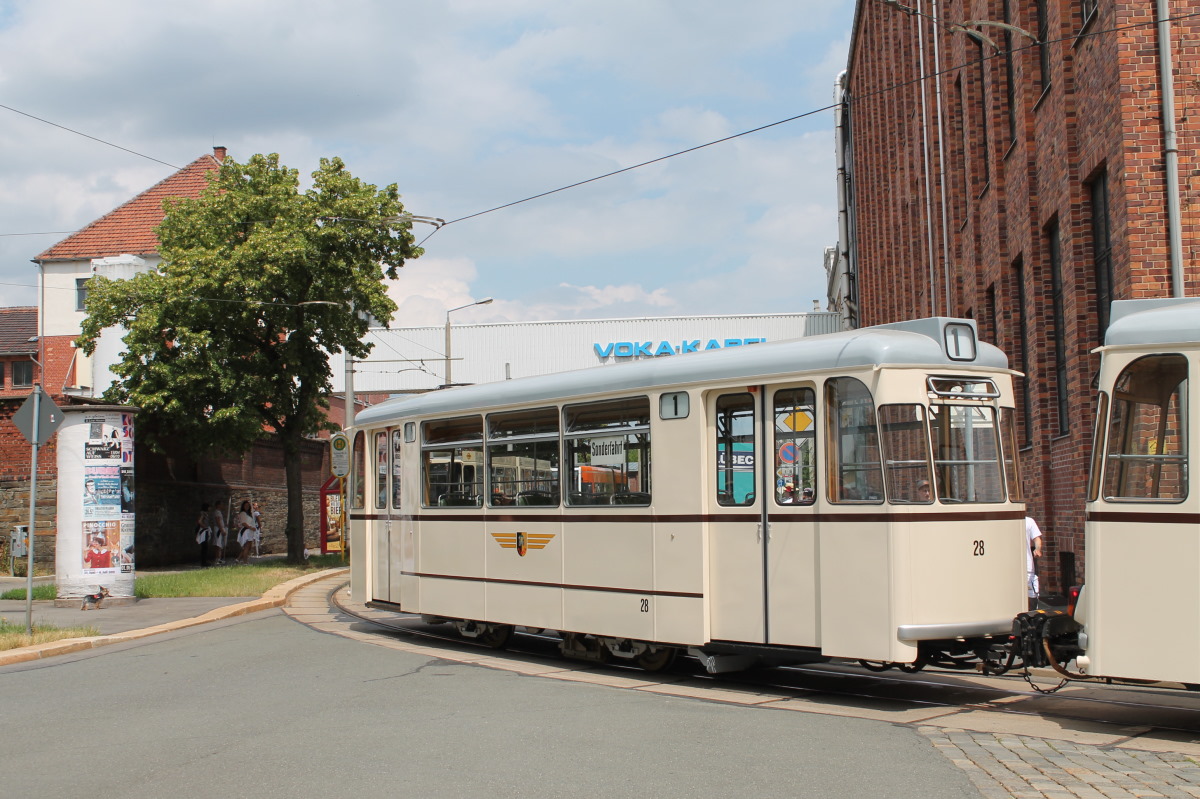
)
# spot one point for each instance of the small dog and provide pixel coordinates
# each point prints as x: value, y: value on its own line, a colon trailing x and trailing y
x: 95, y: 600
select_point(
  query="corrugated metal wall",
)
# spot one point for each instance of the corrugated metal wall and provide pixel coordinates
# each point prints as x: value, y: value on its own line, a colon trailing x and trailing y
x: 413, y: 359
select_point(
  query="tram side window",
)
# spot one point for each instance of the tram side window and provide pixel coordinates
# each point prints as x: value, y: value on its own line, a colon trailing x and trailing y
x: 452, y: 462
x: 1147, y: 434
x: 1012, y: 458
x: 397, y: 450
x: 796, y: 446
x: 966, y: 453
x: 358, y: 472
x: 735, y: 449
x: 906, y: 453
x: 856, y: 472
x: 382, y: 468
x: 523, y: 457
x: 607, y: 452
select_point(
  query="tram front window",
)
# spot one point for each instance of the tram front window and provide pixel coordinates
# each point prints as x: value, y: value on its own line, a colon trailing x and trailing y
x: 1147, y: 435
x: 906, y: 453
x: 966, y: 453
x: 856, y: 472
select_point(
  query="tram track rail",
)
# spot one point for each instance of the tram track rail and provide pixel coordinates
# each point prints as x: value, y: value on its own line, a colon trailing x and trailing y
x: 1129, y: 706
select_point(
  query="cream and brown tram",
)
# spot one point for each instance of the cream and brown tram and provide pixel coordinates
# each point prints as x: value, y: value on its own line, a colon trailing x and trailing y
x: 853, y: 495
x: 1138, y: 614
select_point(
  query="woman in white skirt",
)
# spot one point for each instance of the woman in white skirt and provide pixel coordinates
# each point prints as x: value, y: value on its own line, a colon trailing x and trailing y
x: 246, y: 531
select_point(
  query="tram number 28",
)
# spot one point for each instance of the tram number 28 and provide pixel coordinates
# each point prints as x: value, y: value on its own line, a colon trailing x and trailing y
x: 978, y: 548
x: 644, y: 605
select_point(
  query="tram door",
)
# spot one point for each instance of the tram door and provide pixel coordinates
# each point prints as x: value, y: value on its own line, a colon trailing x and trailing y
x: 762, y: 561
x: 381, y: 521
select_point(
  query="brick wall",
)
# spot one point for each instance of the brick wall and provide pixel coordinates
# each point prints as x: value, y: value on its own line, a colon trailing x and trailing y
x: 964, y: 198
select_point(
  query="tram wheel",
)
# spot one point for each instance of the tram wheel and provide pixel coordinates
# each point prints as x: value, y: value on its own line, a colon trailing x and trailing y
x: 876, y: 667
x: 656, y: 660
x: 496, y: 636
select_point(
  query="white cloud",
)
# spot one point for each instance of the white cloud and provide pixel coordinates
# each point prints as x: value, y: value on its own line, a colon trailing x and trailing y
x: 467, y: 105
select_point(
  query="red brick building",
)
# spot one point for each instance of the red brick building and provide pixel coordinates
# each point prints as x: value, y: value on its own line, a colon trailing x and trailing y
x: 1008, y: 160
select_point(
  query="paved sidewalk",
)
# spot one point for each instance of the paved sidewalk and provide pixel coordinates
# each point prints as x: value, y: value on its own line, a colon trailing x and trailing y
x: 119, y: 623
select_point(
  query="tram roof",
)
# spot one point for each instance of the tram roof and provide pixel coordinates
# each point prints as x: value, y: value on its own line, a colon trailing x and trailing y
x: 1154, y: 321
x: 919, y: 342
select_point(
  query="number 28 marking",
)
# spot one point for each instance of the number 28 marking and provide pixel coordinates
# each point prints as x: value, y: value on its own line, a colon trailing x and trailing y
x: 645, y: 606
x: 979, y: 548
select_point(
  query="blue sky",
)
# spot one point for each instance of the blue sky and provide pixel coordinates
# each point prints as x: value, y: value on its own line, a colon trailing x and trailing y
x: 466, y: 105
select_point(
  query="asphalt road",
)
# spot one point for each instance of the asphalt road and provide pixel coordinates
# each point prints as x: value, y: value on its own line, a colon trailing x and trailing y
x: 263, y: 706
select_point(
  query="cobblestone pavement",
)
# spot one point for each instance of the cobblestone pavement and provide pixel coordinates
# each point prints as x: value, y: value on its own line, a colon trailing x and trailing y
x: 1020, y: 766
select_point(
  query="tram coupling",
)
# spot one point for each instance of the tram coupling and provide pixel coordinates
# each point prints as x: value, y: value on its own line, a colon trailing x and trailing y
x: 1046, y: 637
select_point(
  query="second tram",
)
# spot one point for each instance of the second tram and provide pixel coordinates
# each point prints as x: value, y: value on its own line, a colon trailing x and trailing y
x: 1138, y: 614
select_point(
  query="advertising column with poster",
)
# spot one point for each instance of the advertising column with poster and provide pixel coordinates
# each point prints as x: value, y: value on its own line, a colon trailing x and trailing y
x: 95, y: 503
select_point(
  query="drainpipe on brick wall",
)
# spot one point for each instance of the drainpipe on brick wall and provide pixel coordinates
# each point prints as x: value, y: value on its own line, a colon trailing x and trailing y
x: 1170, y: 147
x: 941, y: 136
x: 842, y: 257
x: 931, y: 247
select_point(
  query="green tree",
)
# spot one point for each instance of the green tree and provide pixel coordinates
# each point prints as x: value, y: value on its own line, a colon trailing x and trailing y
x: 229, y: 340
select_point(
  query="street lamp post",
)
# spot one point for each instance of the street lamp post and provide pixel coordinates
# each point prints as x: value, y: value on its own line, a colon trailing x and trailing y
x: 449, y: 382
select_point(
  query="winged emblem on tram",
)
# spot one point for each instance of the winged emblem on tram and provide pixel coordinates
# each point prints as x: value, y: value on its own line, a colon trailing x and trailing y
x: 523, y: 542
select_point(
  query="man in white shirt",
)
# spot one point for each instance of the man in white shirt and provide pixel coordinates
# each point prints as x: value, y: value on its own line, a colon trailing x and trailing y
x: 1034, y: 535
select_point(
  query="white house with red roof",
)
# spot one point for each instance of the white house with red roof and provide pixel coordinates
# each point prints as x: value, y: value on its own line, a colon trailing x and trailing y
x: 119, y: 244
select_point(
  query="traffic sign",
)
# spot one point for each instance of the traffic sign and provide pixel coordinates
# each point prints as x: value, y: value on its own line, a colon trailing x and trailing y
x: 38, y: 412
x: 339, y: 454
x: 798, y: 421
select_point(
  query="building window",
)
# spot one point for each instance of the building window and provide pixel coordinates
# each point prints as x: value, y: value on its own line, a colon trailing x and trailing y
x: 1087, y: 10
x: 981, y: 113
x: 1, y: 375
x: 964, y: 147
x: 1043, y: 47
x: 1057, y: 299
x: 22, y: 374
x: 81, y: 292
x: 993, y: 324
x: 1023, y: 353
x: 1010, y: 85
x: 1101, y: 249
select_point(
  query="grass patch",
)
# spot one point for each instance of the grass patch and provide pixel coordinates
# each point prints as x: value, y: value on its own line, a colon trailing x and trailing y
x: 44, y: 591
x: 252, y: 579
x: 13, y: 635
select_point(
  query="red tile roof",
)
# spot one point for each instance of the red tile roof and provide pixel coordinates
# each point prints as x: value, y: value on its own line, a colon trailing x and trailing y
x: 17, y: 326
x: 129, y: 228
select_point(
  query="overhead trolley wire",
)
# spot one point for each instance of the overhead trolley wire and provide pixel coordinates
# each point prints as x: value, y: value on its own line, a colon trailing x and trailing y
x: 895, y: 5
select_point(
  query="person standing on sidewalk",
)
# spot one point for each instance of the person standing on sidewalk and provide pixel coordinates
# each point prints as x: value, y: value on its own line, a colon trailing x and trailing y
x: 243, y: 523
x: 220, y: 531
x: 1034, y: 535
x: 204, y: 533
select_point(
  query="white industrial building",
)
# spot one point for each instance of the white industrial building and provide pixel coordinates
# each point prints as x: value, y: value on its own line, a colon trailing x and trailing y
x: 414, y: 359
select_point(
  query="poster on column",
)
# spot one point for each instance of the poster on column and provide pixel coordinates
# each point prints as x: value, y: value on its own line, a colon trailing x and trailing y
x: 96, y: 520
x: 108, y: 494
